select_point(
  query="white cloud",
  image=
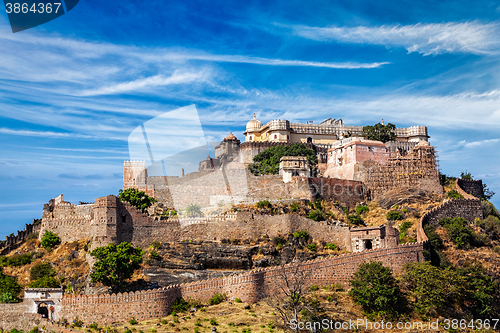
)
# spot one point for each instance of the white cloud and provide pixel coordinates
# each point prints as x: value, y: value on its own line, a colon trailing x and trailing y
x: 476, y: 144
x: 46, y: 134
x: 428, y: 39
x: 140, y: 84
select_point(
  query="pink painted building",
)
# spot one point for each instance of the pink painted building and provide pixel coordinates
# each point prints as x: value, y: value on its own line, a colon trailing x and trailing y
x: 342, y: 158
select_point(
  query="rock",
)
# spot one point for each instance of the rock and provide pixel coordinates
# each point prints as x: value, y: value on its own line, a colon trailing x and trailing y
x: 247, y: 307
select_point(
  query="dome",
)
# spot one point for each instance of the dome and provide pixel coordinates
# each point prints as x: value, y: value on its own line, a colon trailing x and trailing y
x: 230, y: 137
x: 254, y: 124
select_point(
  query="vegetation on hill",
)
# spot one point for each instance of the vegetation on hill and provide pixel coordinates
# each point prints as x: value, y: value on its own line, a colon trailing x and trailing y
x: 43, y: 275
x: 115, y: 264
x: 193, y: 211
x: 268, y: 161
x: 50, y: 240
x: 9, y: 289
x: 379, y: 132
x: 136, y: 198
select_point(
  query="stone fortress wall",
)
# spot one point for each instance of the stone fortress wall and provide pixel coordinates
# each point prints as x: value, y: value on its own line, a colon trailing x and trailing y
x: 469, y: 188
x: 20, y: 236
x: 250, y: 286
x: 253, y: 285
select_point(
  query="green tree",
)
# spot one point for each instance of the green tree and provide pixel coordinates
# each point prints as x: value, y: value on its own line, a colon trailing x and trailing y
x: 45, y: 282
x: 49, y: 240
x: 432, y: 290
x: 268, y: 161
x: 480, y: 289
x: 458, y: 231
x: 193, y: 211
x: 379, y: 132
x: 40, y: 270
x: 375, y: 289
x: 136, y: 198
x: 115, y: 264
x: 8, y: 285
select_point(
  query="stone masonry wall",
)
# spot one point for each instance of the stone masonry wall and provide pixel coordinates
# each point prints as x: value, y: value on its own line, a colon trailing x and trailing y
x: 470, y: 188
x: 15, y: 316
x: 250, y: 286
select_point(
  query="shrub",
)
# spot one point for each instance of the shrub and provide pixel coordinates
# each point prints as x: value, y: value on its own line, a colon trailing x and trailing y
x: 77, y: 322
x: 154, y: 255
x: 136, y: 198
x: 362, y: 209
x: 237, y: 300
x: 294, y: 207
x: 33, y: 330
x: 405, y: 226
x: 355, y: 219
x: 156, y: 244
x: 278, y: 240
x: 453, y: 194
x: 458, y: 231
x: 394, y: 215
x: 93, y: 326
x: 16, y: 260
x: 315, y: 215
x: 330, y: 246
x: 375, y: 289
x: 45, y: 282
x: 312, y: 247
x: 164, y: 322
x: 263, y: 204
x: 434, y: 238
x: 9, y: 285
x: 213, y: 322
x: 127, y: 331
x: 133, y: 321
x: 49, y: 240
x: 8, y: 297
x: 279, y: 247
x: 180, y: 305
x: 217, y: 299
x: 41, y: 270
x: 314, y: 287
x: 301, y: 234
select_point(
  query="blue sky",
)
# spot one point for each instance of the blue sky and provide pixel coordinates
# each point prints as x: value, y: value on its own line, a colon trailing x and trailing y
x: 72, y: 90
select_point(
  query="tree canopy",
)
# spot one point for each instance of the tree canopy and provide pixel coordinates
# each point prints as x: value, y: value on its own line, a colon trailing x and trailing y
x: 375, y: 289
x: 49, y: 240
x: 136, y: 198
x: 380, y: 132
x: 268, y: 161
x: 193, y: 211
x: 115, y: 264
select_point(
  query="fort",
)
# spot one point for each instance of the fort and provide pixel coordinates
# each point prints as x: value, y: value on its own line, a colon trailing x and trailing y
x: 350, y: 172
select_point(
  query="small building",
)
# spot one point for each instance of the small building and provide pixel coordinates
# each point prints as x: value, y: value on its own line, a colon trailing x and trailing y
x: 344, y: 156
x: 44, y: 301
x: 291, y: 166
x: 368, y: 238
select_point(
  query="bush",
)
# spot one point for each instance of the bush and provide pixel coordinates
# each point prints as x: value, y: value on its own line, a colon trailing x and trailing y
x: 217, y: 299
x: 8, y: 297
x: 394, y: 215
x: 180, y: 305
x: 263, y: 204
x: 33, y: 330
x: 49, y: 240
x: 301, y: 234
x: 375, y: 289
x: 77, y: 322
x: 138, y: 199
x: 45, y: 282
x: 315, y: 215
x: 213, y: 322
x: 278, y: 240
x: 41, y: 270
x: 434, y: 238
x: 133, y: 321
x: 356, y: 219
x: 294, y: 207
x: 458, y: 231
x: 453, y: 194
x: 362, y: 209
x: 16, y: 260
x: 312, y: 247
x: 154, y: 255
x: 330, y: 246
x: 405, y: 226
x: 93, y: 326
x: 314, y: 287
x: 156, y: 244
x: 9, y: 285
x: 237, y: 300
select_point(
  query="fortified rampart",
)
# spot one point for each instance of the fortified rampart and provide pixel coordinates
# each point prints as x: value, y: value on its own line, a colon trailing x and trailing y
x: 470, y: 188
x: 250, y: 286
x: 20, y: 236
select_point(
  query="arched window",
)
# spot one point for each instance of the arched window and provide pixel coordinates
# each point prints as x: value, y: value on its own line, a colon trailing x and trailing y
x: 250, y: 138
x: 309, y: 140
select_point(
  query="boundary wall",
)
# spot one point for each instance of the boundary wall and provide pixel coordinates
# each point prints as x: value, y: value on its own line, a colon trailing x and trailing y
x: 470, y: 189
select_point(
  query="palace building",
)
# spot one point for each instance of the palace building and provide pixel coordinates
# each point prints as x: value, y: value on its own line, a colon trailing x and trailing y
x: 324, y: 134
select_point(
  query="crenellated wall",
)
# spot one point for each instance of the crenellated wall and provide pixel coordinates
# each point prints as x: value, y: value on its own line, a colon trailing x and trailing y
x: 470, y: 189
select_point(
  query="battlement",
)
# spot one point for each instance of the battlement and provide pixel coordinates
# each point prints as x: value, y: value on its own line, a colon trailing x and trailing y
x: 134, y: 163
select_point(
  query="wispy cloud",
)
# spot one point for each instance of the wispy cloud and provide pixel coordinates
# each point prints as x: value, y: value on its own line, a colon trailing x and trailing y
x: 47, y: 134
x: 140, y: 84
x: 481, y: 143
x: 428, y: 39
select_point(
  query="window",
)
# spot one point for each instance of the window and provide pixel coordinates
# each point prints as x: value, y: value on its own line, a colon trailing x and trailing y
x: 250, y: 138
x: 275, y: 136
